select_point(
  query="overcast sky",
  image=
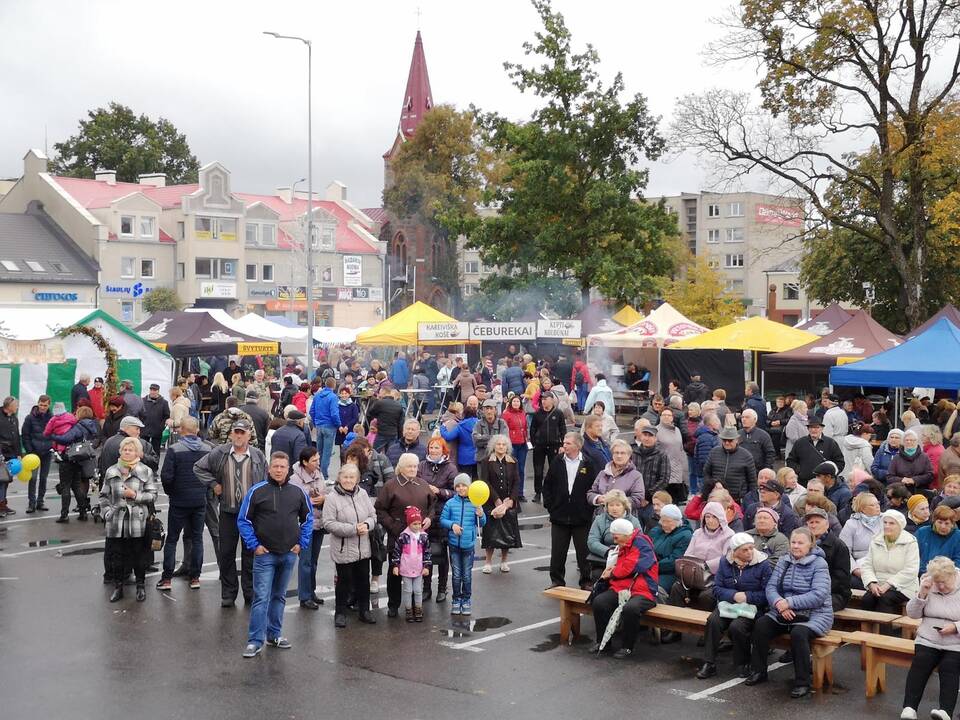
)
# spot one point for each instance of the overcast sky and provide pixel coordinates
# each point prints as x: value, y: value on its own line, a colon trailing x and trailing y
x: 240, y: 96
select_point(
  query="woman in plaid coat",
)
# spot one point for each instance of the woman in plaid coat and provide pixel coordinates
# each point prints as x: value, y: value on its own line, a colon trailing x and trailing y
x: 127, y: 495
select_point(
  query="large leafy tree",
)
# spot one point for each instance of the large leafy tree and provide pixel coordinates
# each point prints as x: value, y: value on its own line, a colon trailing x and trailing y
x: 512, y: 297
x: 161, y: 299
x: 115, y: 138
x: 839, y: 261
x: 567, y: 195
x: 838, y: 74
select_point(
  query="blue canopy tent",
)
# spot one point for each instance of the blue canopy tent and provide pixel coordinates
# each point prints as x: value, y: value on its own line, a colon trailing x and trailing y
x: 926, y: 360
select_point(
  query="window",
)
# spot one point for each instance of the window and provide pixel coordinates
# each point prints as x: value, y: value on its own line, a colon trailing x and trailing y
x: 486, y: 269
x: 147, y: 269
x: 268, y: 235
x: 327, y: 237
x: 207, y: 228
x: 181, y: 230
x: 713, y: 211
x: 734, y: 287
x: 34, y: 265
x: 326, y: 274
x: 146, y: 227
x: 791, y: 291
x: 203, y: 226
x: 252, y: 234
x: 471, y: 267
x: 227, y: 228
x: 268, y: 273
x: 251, y: 272
x: 126, y: 267
x: 126, y: 225
x: 10, y: 265
x: 713, y: 262
x: 734, y: 209
x: 713, y: 236
x: 733, y: 261
x: 203, y: 267
x: 60, y: 268
x: 734, y: 235
x: 228, y: 268
x: 469, y: 289
x: 126, y: 311
x: 181, y: 270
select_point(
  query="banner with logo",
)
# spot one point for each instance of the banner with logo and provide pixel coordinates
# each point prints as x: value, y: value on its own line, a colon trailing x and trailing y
x: 452, y: 331
x: 559, y: 329
x: 353, y: 270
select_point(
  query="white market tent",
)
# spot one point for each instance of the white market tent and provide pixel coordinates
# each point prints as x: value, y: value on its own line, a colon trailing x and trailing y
x: 642, y: 342
x: 293, y: 339
x: 33, y: 361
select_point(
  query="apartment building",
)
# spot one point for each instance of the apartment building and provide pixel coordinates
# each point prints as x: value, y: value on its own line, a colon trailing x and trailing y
x: 750, y: 238
x: 217, y: 247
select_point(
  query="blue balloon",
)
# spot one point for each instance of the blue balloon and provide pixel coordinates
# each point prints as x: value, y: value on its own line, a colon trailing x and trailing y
x: 14, y: 466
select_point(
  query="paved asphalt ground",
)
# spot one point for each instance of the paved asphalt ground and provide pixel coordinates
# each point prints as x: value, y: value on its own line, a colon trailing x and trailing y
x: 66, y: 652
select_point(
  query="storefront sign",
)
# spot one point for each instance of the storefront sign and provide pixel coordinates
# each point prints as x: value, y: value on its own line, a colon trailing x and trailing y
x: 368, y: 294
x: 218, y: 290
x: 262, y: 292
x: 561, y: 329
x: 789, y: 215
x: 503, y: 331
x: 453, y: 331
x: 283, y: 292
x: 130, y: 290
x: 42, y: 296
x: 353, y: 270
x: 264, y: 348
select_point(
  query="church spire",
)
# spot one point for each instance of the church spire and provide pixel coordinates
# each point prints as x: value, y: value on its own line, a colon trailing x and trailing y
x: 417, y: 99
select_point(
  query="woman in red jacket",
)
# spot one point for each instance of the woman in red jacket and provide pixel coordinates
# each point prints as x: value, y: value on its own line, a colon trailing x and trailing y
x: 636, y: 571
x: 516, y: 420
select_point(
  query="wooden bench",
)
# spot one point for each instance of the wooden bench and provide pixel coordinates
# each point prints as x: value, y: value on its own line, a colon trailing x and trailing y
x: 908, y: 626
x: 690, y: 621
x: 856, y: 600
x: 879, y: 651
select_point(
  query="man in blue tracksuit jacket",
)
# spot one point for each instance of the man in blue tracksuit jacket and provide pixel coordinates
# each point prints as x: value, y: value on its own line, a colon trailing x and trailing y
x: 400, y: 371
x: 325, y: 416
x: 276, y: 523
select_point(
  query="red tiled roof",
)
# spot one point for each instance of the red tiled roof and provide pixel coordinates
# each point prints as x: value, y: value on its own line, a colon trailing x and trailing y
x: 378, y: 215
x: 164, y: 238
x: 348, y: 241
x: 99, y: 194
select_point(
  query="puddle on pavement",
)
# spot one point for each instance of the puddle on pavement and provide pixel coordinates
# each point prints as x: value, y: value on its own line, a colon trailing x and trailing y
x: 531, y: 526
x: 461, y: 628
x: 46, y: 543
x: 542, y: 568
x: 82, y: 551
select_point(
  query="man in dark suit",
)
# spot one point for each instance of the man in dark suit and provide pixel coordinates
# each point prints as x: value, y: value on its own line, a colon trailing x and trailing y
x: 565, y: 498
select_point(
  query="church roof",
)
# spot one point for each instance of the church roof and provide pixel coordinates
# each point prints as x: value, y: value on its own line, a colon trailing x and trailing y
x: 417, y: 99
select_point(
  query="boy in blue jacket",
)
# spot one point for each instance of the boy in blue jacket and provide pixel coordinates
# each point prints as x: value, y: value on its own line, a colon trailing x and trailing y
x: 461, y: 518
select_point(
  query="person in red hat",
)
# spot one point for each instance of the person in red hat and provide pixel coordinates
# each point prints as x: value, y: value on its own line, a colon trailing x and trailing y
x: 411, y: 561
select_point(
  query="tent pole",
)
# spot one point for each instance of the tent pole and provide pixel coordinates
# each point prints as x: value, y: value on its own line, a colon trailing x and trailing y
x: 762, y: 382
x: 659, y: 369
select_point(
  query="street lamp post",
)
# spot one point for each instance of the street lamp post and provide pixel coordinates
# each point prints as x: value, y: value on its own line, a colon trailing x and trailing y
x: 309, y: 243
x: 293, y: 251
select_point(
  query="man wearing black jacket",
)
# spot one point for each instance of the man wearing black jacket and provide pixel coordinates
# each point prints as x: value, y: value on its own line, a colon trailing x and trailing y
x: 810, y: 451
x: 653, y: 464
x: 565, y: 498
x: 755, y: 440
x: 547, y: 430
x: 156, y: 412
x: 34, y: 441
x: 260, y: 417
x: 731, y: 466
x: 79, y: 392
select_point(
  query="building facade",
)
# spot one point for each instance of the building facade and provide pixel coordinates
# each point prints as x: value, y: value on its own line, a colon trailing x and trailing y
x: 215, y: 246
x: 745, y: 237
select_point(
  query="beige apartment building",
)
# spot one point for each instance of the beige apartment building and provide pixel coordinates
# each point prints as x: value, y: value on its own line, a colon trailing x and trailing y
x: 217, y: 247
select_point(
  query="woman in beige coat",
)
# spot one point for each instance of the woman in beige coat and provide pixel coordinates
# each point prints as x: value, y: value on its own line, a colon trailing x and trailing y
x: 889, y: 571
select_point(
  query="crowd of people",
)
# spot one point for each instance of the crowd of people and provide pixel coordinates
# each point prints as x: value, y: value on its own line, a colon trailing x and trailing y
x: 766, y: 517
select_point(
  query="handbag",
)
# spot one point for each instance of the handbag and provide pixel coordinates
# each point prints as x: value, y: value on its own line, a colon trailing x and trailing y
x: 693, y: 573
x: 5, y: 476
x: 378, y: 545
x: 600, y: 586
x: 732, y: 611
x: 155, y: 533
x: 80, y: 451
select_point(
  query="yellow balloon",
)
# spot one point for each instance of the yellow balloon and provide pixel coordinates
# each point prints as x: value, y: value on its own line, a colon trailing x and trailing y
x: 479, y: 492
x: 24, y: 475
x: 30, y: 462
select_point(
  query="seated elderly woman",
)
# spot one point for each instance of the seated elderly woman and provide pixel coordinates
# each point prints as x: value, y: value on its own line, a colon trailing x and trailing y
x: 918, y: 513
x: 660, y: 499
x: 890, y: 569
x: 632, y: 568
x: 671, y: 538
x: 707, y: 546
x: 858, y: 532
x: 128, y: 493
x: 740, y: 590
x: 600, y: 539
x: 911, y: 465
x: 937, y: 646
x: 799, y: 597
x: 940, y: 538
x: 621, y: 474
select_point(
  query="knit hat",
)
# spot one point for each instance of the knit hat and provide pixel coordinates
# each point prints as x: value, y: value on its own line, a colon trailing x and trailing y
x: 740, y: 539
x: 915, y: 501
x: 672, y: 512
x: 412, y: 515
x: 897, y: 516
x: 621, y: 526
x: 771, y: 512
x: 895, y: 431
x: 461, y: 479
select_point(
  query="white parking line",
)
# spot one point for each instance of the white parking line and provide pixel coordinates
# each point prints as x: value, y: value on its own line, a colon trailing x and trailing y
x: 50, y: 516
x: 472, y: 644
x: 704, y: 694
x: 63, y: 546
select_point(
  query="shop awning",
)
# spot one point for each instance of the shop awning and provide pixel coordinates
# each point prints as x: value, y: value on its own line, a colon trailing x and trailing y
x: 198, y: 334
x: 755, y: 333
x: 627, y: 316
x: 826, y: 321
x: 663, y: 327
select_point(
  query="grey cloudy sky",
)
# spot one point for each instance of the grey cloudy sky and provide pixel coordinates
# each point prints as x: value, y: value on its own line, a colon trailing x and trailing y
x: 240, y: 96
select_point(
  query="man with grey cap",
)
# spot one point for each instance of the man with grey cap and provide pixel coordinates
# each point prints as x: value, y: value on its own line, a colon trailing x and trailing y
x: 156, y: 411
x: 487, y: 426
x: 231, y: 470
x: 653, y: 464
x: 731, y: 466
x: 260, y: 417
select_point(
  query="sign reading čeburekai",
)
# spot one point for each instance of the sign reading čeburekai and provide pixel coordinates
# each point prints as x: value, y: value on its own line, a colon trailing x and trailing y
x: 503, y: 331
x: 258, y: 348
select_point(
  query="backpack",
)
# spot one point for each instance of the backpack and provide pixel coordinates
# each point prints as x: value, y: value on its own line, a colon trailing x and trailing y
x: 579, y: 379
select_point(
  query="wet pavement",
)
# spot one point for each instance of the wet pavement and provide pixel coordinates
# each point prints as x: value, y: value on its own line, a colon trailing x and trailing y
x: 66, y: 652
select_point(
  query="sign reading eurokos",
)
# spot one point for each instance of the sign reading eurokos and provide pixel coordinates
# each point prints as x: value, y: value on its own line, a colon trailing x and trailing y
x: 503, y: 331
x: 134, y: 290
x: 45, y: 296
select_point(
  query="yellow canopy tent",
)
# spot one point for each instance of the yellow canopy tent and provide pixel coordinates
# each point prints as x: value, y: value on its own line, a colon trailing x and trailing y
x: 755, y: 333
x: 401, y: 329
x: 627, y: 316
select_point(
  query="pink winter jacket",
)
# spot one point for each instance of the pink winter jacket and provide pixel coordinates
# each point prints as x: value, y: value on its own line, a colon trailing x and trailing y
x: 58, y: 425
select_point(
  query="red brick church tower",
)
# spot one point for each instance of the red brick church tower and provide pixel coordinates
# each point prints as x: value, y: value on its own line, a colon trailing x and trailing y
x: 412, y: 247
